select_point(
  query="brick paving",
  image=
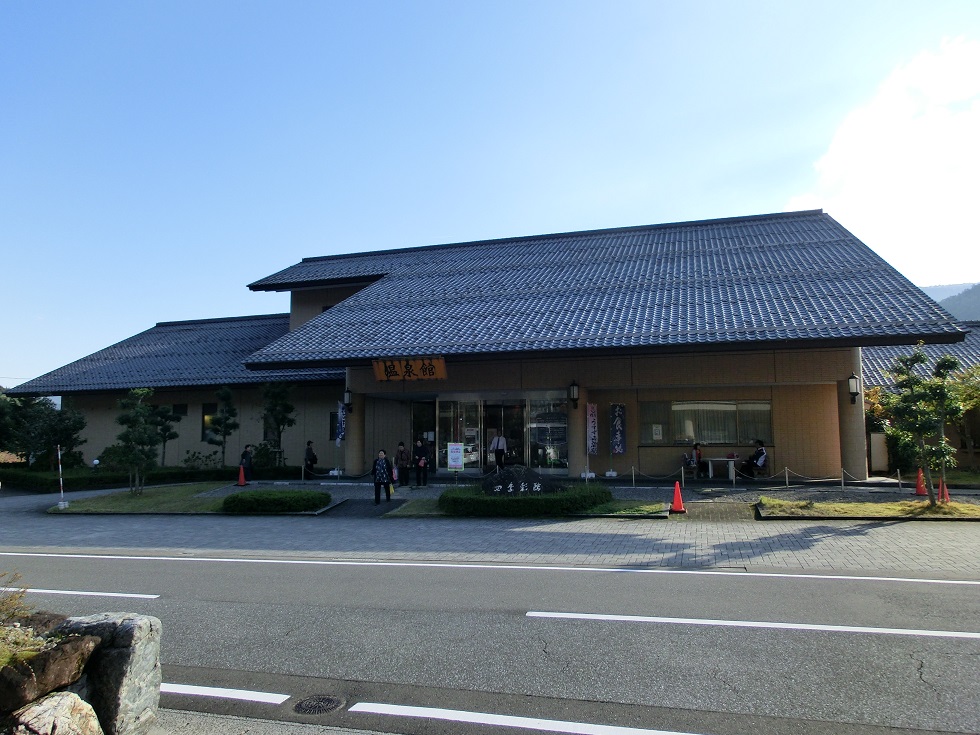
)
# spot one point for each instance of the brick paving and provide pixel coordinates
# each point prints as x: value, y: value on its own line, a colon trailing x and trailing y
x: 718, y: 531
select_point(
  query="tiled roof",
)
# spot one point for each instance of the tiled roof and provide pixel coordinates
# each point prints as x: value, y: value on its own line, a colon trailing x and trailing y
x: 878, y: 361
x: 175, y: 354
x: 786, y: 279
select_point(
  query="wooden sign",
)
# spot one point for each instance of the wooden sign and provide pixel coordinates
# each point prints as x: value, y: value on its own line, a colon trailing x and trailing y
x: 410, y: 368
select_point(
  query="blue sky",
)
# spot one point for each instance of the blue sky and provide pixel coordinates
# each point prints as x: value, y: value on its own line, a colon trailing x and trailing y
x: 156, y: 157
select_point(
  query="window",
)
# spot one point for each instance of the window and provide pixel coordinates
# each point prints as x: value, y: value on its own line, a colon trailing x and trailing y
x: 711, y: 422
x: 179, y: 409
x: 655, y: 423
x: 208, y: 411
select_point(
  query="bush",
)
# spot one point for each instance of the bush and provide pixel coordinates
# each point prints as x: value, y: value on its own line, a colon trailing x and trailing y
x: 472, y: 502
x: 275, y: 501
x: 20, y: 478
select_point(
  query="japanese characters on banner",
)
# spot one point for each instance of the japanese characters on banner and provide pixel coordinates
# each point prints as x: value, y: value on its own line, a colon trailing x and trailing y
x: 592, y: 428
x: 617, y: 428
x: 341, y: 422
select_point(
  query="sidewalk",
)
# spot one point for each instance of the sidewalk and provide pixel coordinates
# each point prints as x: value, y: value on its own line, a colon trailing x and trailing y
x: 182, y: 722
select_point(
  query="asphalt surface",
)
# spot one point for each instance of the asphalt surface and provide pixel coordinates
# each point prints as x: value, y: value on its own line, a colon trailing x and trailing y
x: 718, y: 530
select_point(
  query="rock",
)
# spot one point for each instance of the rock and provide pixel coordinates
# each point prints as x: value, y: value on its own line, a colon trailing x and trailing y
x: 40, y: 622
x: 61, y: 713
x: 519, y: 480
x: 54, y: 668
x: 124, y: 673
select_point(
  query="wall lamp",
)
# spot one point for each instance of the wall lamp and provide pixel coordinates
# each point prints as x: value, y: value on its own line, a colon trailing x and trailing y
x: 573, y: 394
x: 348, y: 401
x: 854, y: 387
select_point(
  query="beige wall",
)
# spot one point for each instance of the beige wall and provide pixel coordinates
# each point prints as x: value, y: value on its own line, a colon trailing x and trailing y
x: 305, y: 305
x: 313, y: 407
x: 803, y: 386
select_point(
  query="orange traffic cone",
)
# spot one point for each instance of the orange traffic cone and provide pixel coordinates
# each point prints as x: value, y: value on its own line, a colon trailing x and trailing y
x: 241, y: 476
x: 943, y: 492
x: 678, y: 505
x: 920, y: 484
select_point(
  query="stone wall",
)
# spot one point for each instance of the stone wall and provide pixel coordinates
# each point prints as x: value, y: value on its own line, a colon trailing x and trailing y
x: 116, y: 693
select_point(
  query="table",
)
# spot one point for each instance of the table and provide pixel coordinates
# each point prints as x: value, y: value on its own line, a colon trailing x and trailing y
x: 731, y: 466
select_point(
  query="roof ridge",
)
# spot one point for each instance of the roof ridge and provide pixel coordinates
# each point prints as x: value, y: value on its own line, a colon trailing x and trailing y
x: 215, y: 320
x: 572, y: 233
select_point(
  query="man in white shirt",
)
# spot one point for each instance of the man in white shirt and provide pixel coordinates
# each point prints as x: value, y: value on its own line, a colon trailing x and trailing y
x: 499, y: 448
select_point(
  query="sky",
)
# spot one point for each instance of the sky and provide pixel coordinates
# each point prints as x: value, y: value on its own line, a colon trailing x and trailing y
x: 157, y: 157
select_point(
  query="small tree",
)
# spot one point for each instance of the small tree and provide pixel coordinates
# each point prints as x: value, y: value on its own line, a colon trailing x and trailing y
x: 966, y: 386
x: 920, y: 407
x: 6, y: 421
x: 164, y: 419
x: 225, y: 421
x: 278, y: 414
x: 138, y: 440
x: 38, y: 428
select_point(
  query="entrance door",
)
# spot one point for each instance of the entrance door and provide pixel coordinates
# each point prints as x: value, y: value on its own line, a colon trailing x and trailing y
x: 459, y: 422
x: 509, y: 419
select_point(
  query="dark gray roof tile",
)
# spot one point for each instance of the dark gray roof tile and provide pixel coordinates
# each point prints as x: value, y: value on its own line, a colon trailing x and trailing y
x: 797, y: 277
x: 201, y: 352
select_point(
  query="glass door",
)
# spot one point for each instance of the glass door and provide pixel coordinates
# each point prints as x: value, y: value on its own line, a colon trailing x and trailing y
x: 509, y: 419
x: 459, y: 421
x: 548, y: 436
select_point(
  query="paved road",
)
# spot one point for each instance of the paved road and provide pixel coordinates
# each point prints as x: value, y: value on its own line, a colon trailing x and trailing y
x: 886, y: 547
x: 731, y: 542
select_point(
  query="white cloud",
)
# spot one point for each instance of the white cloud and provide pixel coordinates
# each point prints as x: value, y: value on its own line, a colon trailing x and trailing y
x: 903, y: 171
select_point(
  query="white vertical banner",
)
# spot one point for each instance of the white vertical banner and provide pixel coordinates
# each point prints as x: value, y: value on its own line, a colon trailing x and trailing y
x: 592, y: 428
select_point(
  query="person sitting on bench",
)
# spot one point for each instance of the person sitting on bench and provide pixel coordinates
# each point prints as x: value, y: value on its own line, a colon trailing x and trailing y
x: 757, y: 461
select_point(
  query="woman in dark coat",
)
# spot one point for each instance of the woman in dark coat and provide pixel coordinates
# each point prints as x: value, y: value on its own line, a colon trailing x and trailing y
x: 382, y: 477
x: 420, y: 458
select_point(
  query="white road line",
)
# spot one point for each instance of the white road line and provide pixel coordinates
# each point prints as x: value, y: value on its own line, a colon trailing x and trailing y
x: 243, y: 694
x: 483, y: 718
x: 34, y: 590
x: 503, y: 567
x: 757, y: 624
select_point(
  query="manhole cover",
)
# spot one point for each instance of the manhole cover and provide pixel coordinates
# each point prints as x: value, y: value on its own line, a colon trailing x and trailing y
x: 318, y: 704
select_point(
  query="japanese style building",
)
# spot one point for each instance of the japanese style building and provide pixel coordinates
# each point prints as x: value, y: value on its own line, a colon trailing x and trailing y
x: 603, y: 350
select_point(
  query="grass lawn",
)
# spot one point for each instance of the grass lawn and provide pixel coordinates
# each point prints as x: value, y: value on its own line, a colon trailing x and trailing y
x: 958, y: 477
x: 417, y: 508
x: 627, y: 508
x: 901, y: 509
x: 165, y: 499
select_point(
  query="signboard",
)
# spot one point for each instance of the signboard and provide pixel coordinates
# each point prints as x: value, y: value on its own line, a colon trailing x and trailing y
x: 591, y: 428
x: 617, y: 428
x: 410, y: 368
x: 455, y: 456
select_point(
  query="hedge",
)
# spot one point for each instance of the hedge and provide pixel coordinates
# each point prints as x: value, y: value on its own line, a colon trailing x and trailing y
x: 473, y: 502
x: 33, y: 481
x: 275, y: 501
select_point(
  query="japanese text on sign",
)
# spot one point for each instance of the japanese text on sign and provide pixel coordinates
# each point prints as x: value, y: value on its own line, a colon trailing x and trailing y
x: 410, y: 368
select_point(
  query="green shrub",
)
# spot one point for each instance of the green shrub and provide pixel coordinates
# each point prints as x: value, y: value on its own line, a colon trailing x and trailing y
x: 467, y: 501
x: 275, y: 501
x: 19, y: 478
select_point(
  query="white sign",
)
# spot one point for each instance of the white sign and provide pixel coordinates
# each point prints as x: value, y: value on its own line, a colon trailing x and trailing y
x: 455, y: 455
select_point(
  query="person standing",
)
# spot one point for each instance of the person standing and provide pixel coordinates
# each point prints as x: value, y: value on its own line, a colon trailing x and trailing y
x: 403, y: 461
x: 310, y: 460
x: 382, y: 476
x: 246, y: 463
x: 420, y: 457
x: 499, y: 448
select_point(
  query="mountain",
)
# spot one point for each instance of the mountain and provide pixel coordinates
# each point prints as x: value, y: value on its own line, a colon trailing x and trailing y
x: 964, y: 306
x: 938, y: 293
